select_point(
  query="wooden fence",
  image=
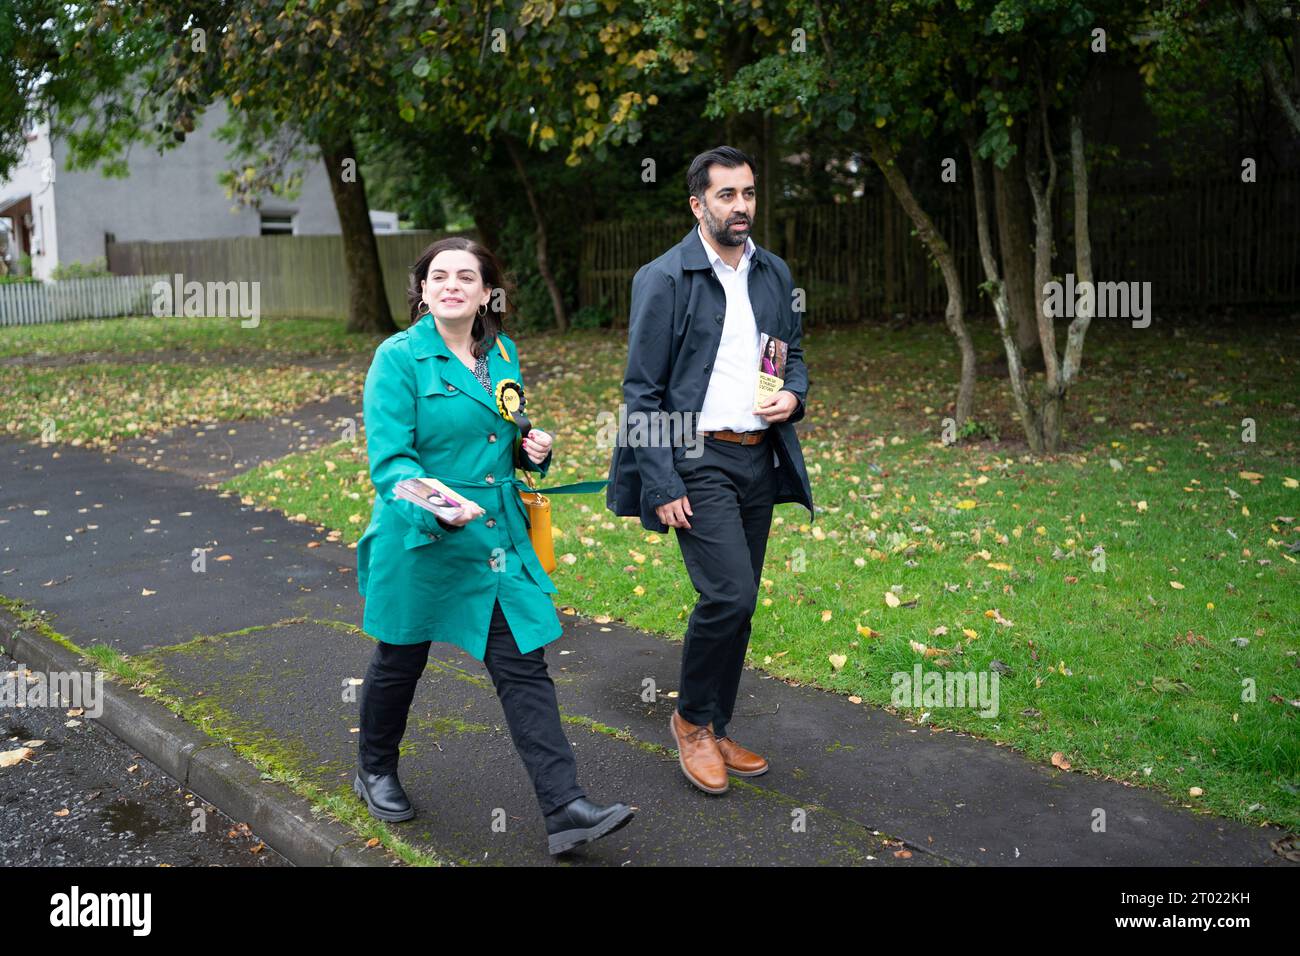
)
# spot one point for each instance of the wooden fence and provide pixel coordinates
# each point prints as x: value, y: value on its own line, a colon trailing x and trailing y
x: 32, y: 303
x: 1205, y: 243
x: 299, y: 275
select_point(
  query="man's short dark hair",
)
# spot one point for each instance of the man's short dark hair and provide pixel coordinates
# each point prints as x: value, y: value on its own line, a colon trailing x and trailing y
x: 697, y: 177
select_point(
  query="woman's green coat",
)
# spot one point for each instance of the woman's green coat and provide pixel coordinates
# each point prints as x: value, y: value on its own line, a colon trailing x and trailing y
x: 427, y: 415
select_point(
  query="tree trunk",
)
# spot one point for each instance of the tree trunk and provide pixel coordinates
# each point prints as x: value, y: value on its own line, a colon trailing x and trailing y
x: 954, y: 313
x: 543, y: 264
x: 1020, y: 392
x: 485, y: 224
x: 1040, y: 134
x: 1011, y: 201
x: 367, y: 302
x: 1082, y: 253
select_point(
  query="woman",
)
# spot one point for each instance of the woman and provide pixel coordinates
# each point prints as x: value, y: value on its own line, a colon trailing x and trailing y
x: 769, y: 357
x: 430, y: 410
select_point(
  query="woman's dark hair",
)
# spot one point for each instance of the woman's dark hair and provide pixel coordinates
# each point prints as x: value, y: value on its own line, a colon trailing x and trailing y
x: 771, y: 347
x: 486, y: 327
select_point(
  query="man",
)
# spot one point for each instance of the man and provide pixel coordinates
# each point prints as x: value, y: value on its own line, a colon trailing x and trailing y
x: 694, y: 348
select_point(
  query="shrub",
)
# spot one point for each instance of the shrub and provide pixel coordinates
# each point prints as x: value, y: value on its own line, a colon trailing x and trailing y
x: 94, y: 269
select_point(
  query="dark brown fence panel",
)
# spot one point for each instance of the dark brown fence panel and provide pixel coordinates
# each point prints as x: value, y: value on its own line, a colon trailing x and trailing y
x: 1199, y: 243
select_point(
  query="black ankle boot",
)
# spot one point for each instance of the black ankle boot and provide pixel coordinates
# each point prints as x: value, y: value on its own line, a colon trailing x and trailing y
x: 383, y: 794
x: 581, y: 821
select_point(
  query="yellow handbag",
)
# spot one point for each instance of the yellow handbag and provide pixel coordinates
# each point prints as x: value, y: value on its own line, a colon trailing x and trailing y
x: 539, y: 525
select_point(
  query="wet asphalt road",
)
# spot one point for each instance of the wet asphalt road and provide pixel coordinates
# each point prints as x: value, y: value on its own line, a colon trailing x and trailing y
x: 86, y: 799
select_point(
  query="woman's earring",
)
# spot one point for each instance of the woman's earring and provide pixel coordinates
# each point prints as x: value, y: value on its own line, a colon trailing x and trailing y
x: 425, y: 310
x: 482, y: 312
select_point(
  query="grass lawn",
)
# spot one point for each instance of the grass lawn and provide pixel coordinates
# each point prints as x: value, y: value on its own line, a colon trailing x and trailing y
x: 1137, y: 592
x: 142, y: 375
x: 192, y: 334
x: 1132, y: 665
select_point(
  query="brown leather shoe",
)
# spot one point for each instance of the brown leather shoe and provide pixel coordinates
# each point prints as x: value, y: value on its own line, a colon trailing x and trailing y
x: 741, y: 762
x: 698, y: 755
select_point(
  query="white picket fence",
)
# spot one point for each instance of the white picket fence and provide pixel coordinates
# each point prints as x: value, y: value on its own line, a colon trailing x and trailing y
x: 65, y: 300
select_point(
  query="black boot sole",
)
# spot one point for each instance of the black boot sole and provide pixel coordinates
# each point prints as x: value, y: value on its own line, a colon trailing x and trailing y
x: 566, y: 840
x: 359, y: 789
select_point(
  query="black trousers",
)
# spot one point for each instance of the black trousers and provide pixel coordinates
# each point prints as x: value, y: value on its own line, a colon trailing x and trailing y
x: 731, y: 488
x: 527, y: 697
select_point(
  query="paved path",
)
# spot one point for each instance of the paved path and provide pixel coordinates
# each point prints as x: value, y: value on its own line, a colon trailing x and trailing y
x: 285, y: 616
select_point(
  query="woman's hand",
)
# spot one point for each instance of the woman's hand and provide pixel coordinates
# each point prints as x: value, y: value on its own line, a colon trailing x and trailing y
x: 469, y: 511
x: 537, y: 445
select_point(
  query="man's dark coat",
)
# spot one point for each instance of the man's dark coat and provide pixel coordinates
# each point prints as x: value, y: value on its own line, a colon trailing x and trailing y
x: 678, y: 308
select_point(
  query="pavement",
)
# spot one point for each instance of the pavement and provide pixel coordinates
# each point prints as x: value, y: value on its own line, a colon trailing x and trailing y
x: 84, y: 798
x: 265, y: 649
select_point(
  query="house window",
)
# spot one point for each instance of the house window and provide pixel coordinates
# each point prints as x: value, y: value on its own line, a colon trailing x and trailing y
x: 277, y: 223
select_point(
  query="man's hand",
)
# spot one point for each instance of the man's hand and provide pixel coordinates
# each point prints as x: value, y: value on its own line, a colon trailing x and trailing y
x: 537, y: 444
x: 674, y: 513
x: 779, y: 407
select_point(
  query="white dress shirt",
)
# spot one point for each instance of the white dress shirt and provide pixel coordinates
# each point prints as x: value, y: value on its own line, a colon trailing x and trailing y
x: 729, y: 397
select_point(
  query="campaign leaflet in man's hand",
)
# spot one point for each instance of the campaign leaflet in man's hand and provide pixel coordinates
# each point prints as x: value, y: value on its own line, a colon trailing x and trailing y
x: 771, y: 368
x: 431, y: 495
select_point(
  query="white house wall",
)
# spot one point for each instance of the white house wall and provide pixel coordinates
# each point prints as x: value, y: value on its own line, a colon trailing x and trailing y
x: 30, y: 179
x: 173, y: 195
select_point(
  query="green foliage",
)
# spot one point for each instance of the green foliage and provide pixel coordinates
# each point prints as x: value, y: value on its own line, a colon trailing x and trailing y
x: 96, y: 268
x: 974, y: 429
x: 1202, y: 69
x: 591, y: 317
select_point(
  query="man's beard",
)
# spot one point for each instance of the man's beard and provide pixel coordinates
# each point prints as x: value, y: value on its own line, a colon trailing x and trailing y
x: 722, y: 232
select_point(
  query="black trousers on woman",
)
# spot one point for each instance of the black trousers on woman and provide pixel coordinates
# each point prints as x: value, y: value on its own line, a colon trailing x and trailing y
x: 527, y: 697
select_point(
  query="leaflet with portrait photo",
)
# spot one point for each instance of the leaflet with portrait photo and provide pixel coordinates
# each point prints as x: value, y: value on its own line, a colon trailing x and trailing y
x: 771, y: 368
x: 431, y: 495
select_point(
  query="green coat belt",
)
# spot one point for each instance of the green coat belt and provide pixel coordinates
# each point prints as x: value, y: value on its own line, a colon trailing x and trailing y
x: 427, y: 415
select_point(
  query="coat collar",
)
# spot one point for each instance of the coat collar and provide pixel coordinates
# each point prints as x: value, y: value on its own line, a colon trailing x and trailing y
x: 427, y: 342
x: 695, y: 256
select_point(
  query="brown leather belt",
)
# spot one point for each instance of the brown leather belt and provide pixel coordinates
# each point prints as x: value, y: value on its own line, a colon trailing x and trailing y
x: 743, y: 438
